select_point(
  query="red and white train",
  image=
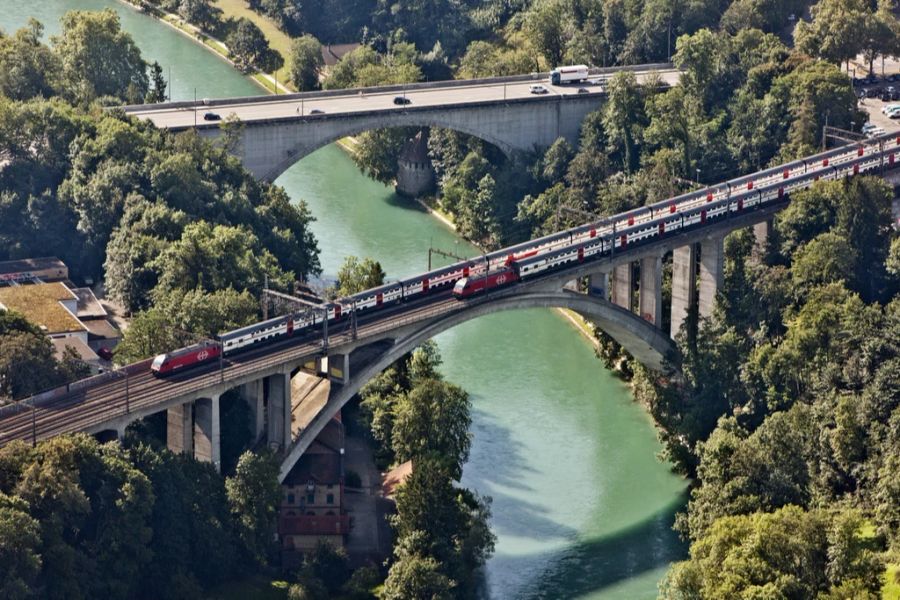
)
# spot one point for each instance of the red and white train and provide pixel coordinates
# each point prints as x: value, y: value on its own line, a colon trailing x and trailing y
x: 562, y: 249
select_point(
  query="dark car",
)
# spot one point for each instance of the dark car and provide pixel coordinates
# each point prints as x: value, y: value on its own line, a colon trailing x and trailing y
x: 317, y: 111
x: 402, y: 100
x: 105, y: 353
x: 872, y: 92
x: 583, y: 90
x: 211, y: 116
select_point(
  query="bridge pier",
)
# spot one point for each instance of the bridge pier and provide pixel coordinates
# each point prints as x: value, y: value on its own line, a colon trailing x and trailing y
x: 207, y: 432
x: 278, y: 413
x: 598, y: 284
x: 180, y: 429
x: 712, y: 273
x: 651, y: 289
x: 761, y: 233
x: 684, y: 284
x: 623, y: 286
x: 253, y: 395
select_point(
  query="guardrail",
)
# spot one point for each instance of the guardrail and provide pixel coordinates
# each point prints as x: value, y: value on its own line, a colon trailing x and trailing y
x: 409, y: 87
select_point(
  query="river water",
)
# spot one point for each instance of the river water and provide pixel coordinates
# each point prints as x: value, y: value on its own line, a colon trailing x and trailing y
x: 582, y: 508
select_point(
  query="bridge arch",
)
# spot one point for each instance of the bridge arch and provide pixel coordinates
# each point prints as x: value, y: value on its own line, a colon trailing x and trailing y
x: 645, y: 342
x: 304, y: 145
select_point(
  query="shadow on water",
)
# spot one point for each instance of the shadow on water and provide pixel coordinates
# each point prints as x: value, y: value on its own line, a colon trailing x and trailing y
x: 508, y: 470
x: 581, y: 567
x: 395, y: 199
x: 592, y: 565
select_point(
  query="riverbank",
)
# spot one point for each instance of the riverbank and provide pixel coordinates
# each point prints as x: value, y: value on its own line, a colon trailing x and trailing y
x: 209, y: 42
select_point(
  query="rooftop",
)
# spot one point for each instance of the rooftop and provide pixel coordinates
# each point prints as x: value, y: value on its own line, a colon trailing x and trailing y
x: 320, y: 468
x: 31, y: 264
x: 81, y: 349
x: 102, y: 329
x: 42, y: 305
x: 88, y: 305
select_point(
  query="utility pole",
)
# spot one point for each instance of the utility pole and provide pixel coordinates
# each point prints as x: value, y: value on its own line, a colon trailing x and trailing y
x: 195, y: 108
x: 444, y: 253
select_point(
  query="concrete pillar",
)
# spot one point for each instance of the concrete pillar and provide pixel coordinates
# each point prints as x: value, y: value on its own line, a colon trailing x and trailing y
x: 761, y: 233
x: 684, y: 284
x: 252, y: 393
x: 622, y: 286
x: 207, y: 433
x: 712, y: 273
x: 598, y: 285
x: 279, y: 410
x: 651, y: 289
x: 180, y: 429
x: 339, y: 367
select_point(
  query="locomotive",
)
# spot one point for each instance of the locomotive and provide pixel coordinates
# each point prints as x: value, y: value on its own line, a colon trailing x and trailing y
x: 559, y: 250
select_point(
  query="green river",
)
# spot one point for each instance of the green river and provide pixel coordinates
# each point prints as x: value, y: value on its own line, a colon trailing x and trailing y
x: 582, y: 508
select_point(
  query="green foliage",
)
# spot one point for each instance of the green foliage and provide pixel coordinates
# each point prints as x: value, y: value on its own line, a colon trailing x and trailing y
x: 327, y: 565
x: 254, y: 493
x: 433, y: 421
x: 364, y: 67
x: 28, y: 69
x: 99, y: 59
x: 19, y: 539
x: 417, y: 577
x: 306, y: 63
x: 250, y: 48
x: 377, y: 151
x: 789, y: 553
x: 357, y: 275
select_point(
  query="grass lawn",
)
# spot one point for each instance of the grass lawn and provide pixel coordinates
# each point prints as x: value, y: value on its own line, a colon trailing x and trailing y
x: 278, y: 40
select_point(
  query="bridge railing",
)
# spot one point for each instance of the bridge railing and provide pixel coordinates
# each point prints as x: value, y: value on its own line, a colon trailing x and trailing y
x: 383, y: 89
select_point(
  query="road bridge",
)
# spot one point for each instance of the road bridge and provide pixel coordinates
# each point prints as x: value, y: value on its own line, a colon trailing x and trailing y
x: 604, y: 254
x: 277, y: 131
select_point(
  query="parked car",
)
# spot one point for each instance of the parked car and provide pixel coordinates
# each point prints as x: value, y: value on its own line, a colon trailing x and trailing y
x: 872, y: 92
x: 873, y: 133
x: 317, y: 111
x: 887, y: 107
x: 105, y: 353
x: 537, y: 88
x: 402, y: 100
x: 211, y: 116
x: 894, y: 113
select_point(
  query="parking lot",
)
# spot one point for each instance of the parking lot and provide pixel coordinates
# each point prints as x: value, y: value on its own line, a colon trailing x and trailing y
x: 873, y: 107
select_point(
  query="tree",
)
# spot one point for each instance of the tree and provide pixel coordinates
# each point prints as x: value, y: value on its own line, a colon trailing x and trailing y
x: 827, y: 258
x: 306, y: 62
x: 249, y: 46
x: 548, y: 24
x: 622, y: 118
x: 784, y: 554
x: 433, y: 421
x: 99, y: 59
x: 377, y: 152
x: 417, y: 577
x: 327, y: 564
x: 157, y: 91
x: 254, y: 494
x: 837, y: 31
x: 27, y: 365
x: 27, y: 67
x: 19, y: 544
x: 202, y: 13
x: 357, y: 275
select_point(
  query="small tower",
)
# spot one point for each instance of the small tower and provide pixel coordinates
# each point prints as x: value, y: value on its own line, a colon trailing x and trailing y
x: 415, y: 176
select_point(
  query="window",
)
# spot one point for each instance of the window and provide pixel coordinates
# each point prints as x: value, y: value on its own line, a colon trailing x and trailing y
x: 310, y: 498
x: 329, y: 499
x: 290, y: 498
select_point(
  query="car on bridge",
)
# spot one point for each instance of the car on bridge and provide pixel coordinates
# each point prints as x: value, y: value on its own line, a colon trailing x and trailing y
x: 537, y: 88
x: 402, y: 100
x: 317, y: 111
x: 211, y: 116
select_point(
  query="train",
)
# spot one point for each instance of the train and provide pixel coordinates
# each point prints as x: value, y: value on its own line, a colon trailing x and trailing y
x: 474, y: 278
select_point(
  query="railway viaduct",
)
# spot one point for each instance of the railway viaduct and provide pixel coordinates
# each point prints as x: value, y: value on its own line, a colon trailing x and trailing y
x: 348, y: 356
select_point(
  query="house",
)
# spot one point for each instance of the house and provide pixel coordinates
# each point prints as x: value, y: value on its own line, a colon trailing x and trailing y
x: 312, y: 503
x: 47, y: 269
